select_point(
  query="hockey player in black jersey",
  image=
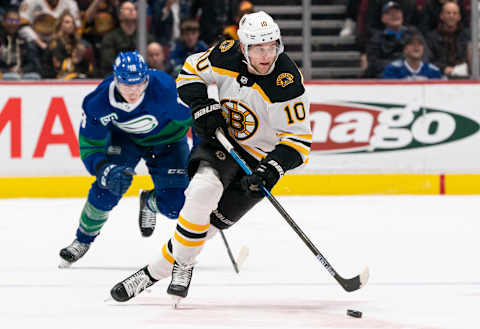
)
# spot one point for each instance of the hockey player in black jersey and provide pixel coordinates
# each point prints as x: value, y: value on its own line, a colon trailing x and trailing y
x: 263, y: 109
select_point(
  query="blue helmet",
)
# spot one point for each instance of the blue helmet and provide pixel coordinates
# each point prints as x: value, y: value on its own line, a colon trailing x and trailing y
x: 130, y: 68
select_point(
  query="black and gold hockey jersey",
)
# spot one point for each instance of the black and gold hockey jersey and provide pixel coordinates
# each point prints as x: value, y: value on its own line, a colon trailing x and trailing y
x: 262, y: 111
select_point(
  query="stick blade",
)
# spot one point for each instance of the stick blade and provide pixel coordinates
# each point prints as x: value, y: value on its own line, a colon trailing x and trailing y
x: 242, y: 256
x: 356, y: 282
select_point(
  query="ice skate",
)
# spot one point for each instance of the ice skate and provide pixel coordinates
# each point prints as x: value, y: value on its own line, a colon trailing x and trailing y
x: 72, y: 253
x: 146, y: 218
x: 181, y: 277
x: 132, y: 286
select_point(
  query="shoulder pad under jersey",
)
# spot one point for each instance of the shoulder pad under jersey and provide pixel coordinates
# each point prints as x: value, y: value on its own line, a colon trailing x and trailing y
x: 227, y: 55
x: 284, y: 83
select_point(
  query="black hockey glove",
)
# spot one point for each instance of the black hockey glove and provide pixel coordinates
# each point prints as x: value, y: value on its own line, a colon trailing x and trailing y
x: 267, y: 173
x: 115, y: 178
x: 207, y: 117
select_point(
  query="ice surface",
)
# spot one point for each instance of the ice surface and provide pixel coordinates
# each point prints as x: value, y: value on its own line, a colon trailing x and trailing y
x: 422, y: 252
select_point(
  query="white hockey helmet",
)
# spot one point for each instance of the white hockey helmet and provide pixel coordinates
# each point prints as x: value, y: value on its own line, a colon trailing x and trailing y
x: 258, y: 28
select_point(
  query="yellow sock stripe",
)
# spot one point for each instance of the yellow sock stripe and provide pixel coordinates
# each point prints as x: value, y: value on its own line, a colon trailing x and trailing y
x: 167, y: 256
x: 192, y: 227
x: 188, y: 243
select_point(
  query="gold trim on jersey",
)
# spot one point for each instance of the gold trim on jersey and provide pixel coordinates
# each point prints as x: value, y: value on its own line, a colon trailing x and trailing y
x: 221, y: 71
x: 302, y: 149
x: 253, y: 152
x: 234, y: 74
x: 179, y: 78
x: 262, y: 93
x: 307, y: 137
x: 189, y: 68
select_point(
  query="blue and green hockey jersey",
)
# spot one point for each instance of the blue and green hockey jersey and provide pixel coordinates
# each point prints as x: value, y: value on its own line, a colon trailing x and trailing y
x: 156, y: 118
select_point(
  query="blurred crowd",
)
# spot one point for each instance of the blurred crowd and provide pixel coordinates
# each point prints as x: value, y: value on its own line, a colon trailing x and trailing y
x: 72, y: 39
x: 411, y: 39
x: 75, y: 39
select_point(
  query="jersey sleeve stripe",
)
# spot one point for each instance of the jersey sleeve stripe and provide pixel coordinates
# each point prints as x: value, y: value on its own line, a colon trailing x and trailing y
x: 189, y: 68
x: 300, y: 149
x: 185, y: 72
x: 302, y: 136
x: 229, y: 73
x: 307, y: 144
x: 196, y: 78
x: 258, y: 155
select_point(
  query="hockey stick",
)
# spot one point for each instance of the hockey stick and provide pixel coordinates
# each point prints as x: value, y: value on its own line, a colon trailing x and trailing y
x: 229, y: 251
x: 349, y: 285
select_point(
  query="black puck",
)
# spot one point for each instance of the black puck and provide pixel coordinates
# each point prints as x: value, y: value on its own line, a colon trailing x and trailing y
x: 355, y: 314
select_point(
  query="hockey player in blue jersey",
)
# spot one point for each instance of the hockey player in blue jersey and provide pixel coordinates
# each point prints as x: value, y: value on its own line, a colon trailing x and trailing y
x: 131, y: 115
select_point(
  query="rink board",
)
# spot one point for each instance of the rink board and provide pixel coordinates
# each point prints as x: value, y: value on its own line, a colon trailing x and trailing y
x: 54, y: 187
x: 368, y: 138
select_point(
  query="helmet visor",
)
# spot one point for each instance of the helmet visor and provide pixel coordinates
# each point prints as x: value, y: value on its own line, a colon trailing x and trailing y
x: 261, y: 50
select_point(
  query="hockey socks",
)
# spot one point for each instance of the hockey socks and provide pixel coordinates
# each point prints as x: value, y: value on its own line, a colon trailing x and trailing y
x: 91, y: 222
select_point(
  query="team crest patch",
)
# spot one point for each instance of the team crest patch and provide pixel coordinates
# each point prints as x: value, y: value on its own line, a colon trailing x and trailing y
x: 284, y: 79
x: 226, y: 45
x: 220, y: 155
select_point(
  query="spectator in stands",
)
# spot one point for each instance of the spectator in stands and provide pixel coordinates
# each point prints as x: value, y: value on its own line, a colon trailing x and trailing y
x: 5, y: 5
x: 349, y: 25
x: 230, y: 32
x: 121, y: 39
x: 374, y: 15
x: 39, y: 17
x: 431, y: 14
x: 448, y: 43
x: 187, y: 45
x: 215, y: 15
x: 18, y: 57
x: 156, y: 58
x: 78, y: 66
x: 61, y: 47
x: 412, y: 67
x: 163, y: 19
x: 387, y: 45
x: 100, y: 17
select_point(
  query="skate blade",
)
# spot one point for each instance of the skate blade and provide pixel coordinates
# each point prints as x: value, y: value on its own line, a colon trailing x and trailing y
x: 64, y: 264
x: 176, y: 301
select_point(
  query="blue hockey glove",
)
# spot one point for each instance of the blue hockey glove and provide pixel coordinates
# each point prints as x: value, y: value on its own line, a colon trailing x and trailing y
x: 267, y: 173
x: 207, y: 117
x: 115, y: 178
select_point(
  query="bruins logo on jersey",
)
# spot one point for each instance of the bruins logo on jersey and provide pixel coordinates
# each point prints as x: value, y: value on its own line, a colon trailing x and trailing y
x: 243, y: 120
x: 284, y: 79
x: 226, y: 45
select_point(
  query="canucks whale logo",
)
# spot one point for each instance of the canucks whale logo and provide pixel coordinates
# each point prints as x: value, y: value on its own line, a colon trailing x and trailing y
x: 141, y: 125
